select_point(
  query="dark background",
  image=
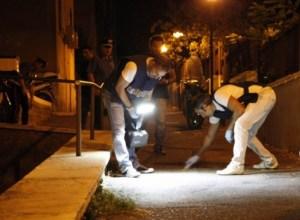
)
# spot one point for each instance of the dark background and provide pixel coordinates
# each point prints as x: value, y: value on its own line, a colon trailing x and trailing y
x: 134, y: 19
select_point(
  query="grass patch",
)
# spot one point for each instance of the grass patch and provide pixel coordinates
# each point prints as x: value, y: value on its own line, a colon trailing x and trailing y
x: 105, y: 203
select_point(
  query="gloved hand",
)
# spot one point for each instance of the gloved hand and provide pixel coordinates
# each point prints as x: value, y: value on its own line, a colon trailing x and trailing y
x: 229, y: 136
x: 132, y: 112
x: 191, y: 161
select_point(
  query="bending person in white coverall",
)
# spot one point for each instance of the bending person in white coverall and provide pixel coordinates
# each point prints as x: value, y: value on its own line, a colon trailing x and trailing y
x: 247, y: 106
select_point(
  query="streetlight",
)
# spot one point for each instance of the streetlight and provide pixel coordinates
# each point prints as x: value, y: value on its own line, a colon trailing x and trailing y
x: 211, y: 47
x: 177, y: 34
x: 164, y: 48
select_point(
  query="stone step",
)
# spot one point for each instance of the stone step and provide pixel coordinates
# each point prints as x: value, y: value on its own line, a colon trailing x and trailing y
x: 60, y: 187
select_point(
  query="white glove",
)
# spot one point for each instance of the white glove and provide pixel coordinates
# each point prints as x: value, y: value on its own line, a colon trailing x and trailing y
x: 132, y: 112
x: 191, y: 161
x: 229, y: 136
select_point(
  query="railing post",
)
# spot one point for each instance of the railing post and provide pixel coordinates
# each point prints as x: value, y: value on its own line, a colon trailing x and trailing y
x: 78, y: 122
x: 92, y: 114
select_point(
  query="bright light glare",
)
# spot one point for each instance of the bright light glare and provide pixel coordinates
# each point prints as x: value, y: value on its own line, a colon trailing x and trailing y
x: 163, y: 48
x: 145, y: 108
x: 211, y: 0
x: 177, y: 34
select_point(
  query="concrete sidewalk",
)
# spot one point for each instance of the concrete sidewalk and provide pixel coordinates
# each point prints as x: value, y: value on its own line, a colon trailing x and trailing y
x: 61, y: 186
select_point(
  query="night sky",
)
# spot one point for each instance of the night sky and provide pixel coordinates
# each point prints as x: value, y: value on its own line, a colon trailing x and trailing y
x: 133, y: 22
x: 134, y: 19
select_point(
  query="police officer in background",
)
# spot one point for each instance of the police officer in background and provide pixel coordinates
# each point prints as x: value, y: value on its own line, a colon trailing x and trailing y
x: 98, y: 69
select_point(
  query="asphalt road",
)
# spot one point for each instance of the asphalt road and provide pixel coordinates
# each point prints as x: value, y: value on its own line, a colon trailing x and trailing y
x: 173, y: 193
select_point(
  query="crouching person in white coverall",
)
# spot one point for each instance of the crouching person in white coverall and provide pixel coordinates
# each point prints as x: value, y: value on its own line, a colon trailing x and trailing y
x: 248, y: 106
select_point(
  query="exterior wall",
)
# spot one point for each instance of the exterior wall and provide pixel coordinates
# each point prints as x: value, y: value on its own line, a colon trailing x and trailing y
x: 282, y: 127
x: 27, y: 30
x: 276, y: 59
x: 281, y: 56
x: 45, y: 28
x: 65, y: 44
x: 86, y: 22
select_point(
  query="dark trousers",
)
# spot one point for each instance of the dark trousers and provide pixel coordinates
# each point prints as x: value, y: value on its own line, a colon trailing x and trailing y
x: 13, y: 100
x: 85, y: 108
x: 24, y: 103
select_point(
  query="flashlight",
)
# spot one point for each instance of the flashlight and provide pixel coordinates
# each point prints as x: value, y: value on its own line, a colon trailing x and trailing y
x: 145, y: 108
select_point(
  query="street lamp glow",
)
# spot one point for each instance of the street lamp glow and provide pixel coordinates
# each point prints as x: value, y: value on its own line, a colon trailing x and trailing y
x: 211, y: 0
x: 164, y: 48
x: 177, y: 34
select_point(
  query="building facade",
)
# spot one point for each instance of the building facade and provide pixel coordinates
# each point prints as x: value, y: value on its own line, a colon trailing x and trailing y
x: 34, y: 28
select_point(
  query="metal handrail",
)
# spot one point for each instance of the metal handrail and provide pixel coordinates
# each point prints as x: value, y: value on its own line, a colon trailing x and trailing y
x: 78, y: 84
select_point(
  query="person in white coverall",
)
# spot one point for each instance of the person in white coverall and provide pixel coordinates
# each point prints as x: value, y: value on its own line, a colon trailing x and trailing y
x: 247, y: 106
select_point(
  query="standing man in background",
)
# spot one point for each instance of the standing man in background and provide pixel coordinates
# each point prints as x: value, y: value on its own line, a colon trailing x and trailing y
x: 192, y: 67
x: 107, y: 64
x: 98, y: 70
x: 160, y: 96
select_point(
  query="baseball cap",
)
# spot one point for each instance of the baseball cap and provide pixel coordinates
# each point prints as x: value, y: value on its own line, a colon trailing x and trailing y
x: 106, y: 42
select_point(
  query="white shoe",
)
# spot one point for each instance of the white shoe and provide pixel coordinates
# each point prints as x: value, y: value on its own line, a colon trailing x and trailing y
x: 131, y: 173
x: 191, y: 161
x: 231, y: 169
x: 267, y: 164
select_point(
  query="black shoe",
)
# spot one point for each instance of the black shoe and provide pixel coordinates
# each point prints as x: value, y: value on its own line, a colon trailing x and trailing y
x: 143, y: 169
